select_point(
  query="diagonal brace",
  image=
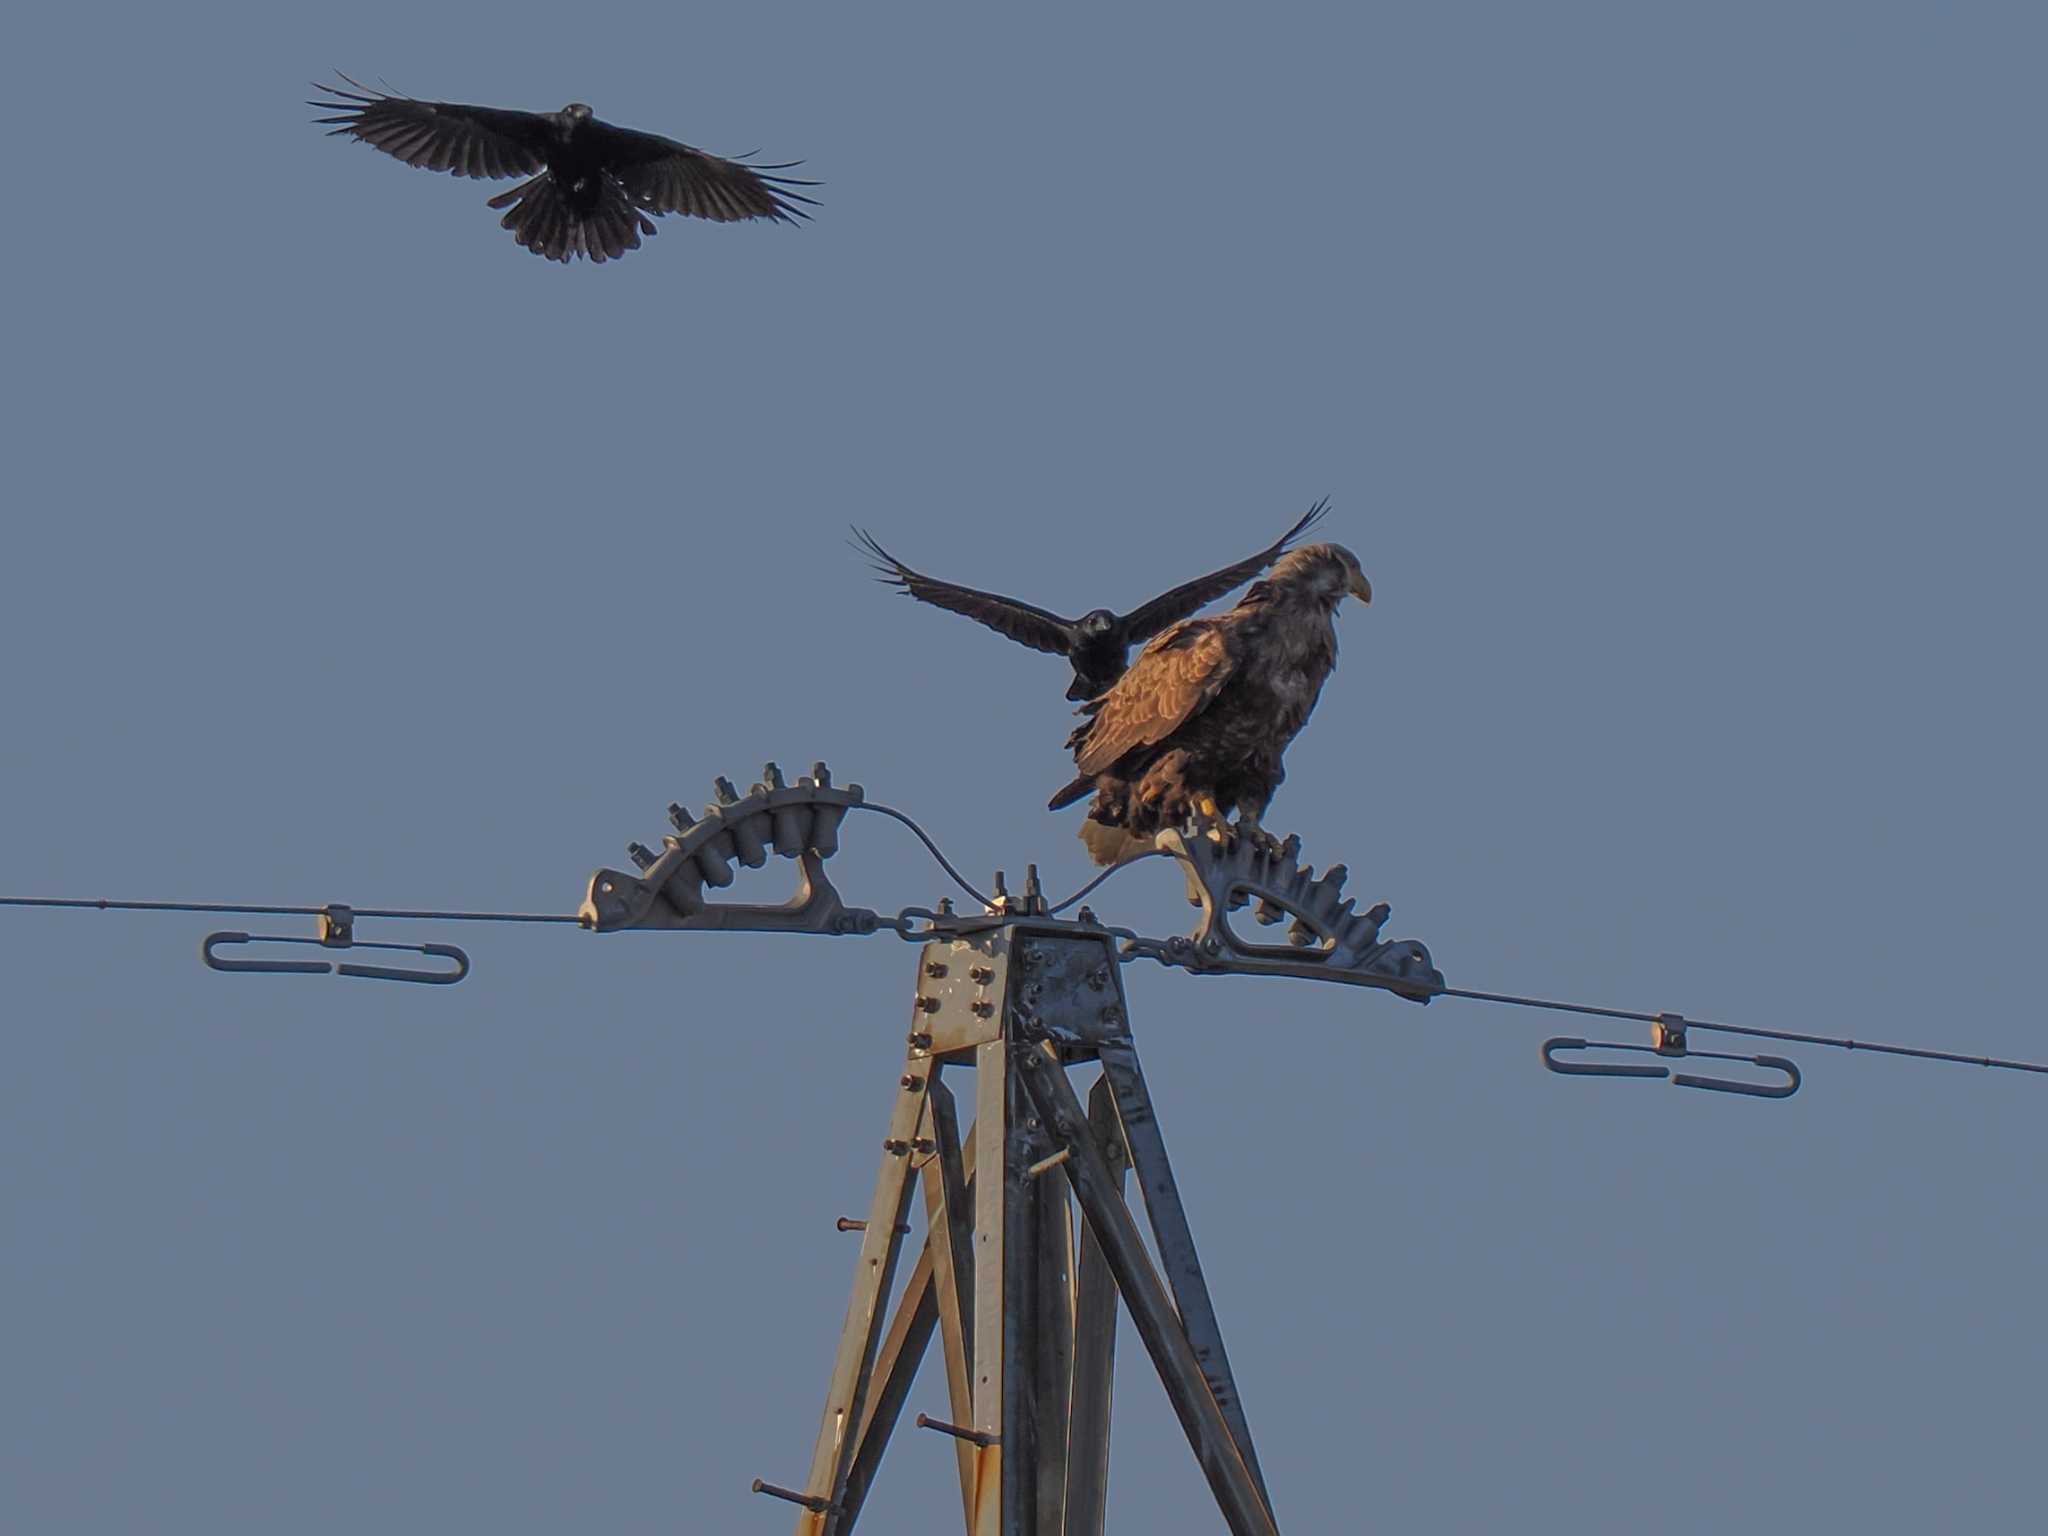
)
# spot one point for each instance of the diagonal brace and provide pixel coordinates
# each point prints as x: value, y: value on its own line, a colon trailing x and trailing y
x: 1152, y: 1310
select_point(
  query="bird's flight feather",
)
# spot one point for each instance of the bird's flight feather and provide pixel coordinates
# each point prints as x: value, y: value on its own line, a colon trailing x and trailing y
x: 485, y: 142
x: 1022, y: 622
x: 1190, y: 596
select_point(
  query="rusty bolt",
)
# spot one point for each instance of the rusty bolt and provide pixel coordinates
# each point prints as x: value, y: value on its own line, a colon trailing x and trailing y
x: 981, y: 975
x: 922, y: 1042
x: 925, y: 1145
x: 912, y: 1082
x: 928, y: 1005
x: 899, y: 1148
x: 982, y: 1007
x: 935, y: 968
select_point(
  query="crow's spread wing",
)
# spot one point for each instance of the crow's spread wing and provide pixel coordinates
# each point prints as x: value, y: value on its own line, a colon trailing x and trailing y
x: 664, y: 176
x: 1020, y: 621
x: 1171, y: 607
x: 1173, y: 680
x: 440, y: 135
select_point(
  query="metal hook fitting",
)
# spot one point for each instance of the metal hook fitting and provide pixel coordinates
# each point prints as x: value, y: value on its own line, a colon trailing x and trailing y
x: 1667, y: 1035
x: 337, y: 931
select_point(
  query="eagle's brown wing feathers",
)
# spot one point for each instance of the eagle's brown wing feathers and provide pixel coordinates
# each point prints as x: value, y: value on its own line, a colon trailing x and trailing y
x: 1173, y: 680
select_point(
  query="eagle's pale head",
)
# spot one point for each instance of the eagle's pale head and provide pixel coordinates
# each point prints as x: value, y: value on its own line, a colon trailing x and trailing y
x: 1329, y: 572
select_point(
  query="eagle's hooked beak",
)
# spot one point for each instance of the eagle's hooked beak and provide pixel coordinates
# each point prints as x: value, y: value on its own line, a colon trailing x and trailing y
x: 1360, y: 588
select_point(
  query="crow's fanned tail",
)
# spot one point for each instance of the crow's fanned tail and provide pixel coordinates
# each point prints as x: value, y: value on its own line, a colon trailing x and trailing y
x: 544, y: 219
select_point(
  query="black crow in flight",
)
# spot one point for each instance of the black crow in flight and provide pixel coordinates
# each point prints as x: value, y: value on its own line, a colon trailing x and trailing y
x: 1097, y: 643
x: 593, y: 185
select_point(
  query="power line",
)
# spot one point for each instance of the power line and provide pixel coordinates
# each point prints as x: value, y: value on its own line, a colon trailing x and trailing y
x: 1840, y: 1042
x: 1507, y: 999
x: 106, y: 905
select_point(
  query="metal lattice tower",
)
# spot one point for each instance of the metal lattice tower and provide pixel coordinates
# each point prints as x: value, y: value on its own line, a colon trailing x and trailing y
x: 1029, y: 1243
x: 1022, y: 1299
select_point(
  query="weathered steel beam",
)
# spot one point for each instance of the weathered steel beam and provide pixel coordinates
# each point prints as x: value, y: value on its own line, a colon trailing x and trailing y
x: 1094, y: 1342
x: 1021, y: 1450
x: 1052, y: 1351
x: 919, y: 1312
x: 1176, y: 1243
x: 1152, y: 1310
x: 874, y: 1272
x: 992, y: 1091
x: 949, y: 1218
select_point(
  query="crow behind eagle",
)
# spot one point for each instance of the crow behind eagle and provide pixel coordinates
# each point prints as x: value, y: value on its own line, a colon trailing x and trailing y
x: 1099, y: 642
x: 1196, y: 728
x: 592, y: 185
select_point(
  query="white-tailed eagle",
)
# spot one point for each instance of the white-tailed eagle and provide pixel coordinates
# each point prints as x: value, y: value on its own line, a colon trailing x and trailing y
x: 1196, y: 728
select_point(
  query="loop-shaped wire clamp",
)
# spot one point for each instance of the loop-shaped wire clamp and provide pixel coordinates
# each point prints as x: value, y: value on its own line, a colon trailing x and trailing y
x: 337, y: 931
x: 1667, y: 1038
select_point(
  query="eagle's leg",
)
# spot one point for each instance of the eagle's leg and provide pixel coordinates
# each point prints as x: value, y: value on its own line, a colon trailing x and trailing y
x: 1251, y: 806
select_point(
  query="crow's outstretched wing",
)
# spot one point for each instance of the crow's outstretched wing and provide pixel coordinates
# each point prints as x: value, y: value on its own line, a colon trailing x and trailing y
x: 664, y: 176
x: 440, y: 135
x: 1171, y: 607
x: 1006, y: 616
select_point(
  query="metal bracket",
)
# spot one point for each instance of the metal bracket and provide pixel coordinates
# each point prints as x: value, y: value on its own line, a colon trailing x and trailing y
x: 1667, y: 1038
x: 1328, y: 940
x: 797, y: 821
x: 337, y: 931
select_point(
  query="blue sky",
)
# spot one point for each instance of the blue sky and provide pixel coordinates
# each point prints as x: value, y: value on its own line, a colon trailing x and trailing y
x: 1676, y: 374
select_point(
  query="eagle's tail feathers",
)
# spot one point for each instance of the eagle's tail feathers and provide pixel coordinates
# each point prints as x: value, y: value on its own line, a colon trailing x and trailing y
x: 1112, y: 845
x: 1074, y: 791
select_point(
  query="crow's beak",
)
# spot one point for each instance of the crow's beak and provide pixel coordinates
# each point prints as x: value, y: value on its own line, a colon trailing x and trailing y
x: 1360, y: 588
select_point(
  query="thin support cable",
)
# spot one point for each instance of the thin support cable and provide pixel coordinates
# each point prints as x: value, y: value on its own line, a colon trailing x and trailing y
x: 1508, y: 999
x: 1838, y: 1042
x: 930, y: 847
x: 422, y: 915
x: 1118, y: 868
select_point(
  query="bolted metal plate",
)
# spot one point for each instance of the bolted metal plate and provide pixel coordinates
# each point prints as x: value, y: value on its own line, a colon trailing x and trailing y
x: 1067, y: 988
x: 1046, y: 984
x: 960, y: 986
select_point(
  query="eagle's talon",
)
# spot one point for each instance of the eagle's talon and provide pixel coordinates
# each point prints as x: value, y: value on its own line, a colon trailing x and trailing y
x: 1264, y: 842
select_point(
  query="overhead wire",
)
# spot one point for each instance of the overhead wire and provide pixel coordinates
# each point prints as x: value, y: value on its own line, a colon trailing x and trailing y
x: 1839, y: 1042
x: 1406, y: 987
x: 423, y: 915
